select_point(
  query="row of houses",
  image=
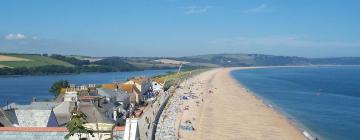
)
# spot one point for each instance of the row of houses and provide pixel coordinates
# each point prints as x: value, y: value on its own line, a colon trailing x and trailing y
x: 108, y: 103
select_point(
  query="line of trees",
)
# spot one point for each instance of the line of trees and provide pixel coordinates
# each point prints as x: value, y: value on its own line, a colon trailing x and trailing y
x: 57, y: 86
x: 41, y: 70
x: 71, y: 60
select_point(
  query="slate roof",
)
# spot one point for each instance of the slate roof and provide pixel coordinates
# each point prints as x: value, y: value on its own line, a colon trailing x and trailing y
x: 107, y: 92
x: 123, y: 97
x: 33, y: 106
x: 91, y: 110
x: 36, y: 114
x: 32, y: 118
x: 94, y: 115
x: 62, y: 112
x: 120, y: 95
x: 4, y: 120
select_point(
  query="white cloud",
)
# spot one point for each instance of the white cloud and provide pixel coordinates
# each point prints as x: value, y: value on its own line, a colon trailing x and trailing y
x: 281, y: 41
x: 196, y: 9
x: 259, y: 9
x: 35, y: 38
x: 17, y: 36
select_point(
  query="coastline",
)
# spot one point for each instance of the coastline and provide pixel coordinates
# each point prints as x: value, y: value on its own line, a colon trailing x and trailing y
x: 301, y: 127
x: 223, y: 108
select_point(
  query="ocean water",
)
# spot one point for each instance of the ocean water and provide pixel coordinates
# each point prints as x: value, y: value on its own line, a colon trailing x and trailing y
x: 324, y: 101
x: 21, y: 89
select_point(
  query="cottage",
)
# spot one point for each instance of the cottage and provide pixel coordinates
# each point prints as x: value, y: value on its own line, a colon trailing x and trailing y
x: 134, y: 89
x: 82, y: 90
x: 97, y: 109
x: 70, y: 96
x: 157, y: 87
x: 150, y: 89
x: 96, y: 113
x: 102, y: 131
x: 120, y: 101
x: 21, y: 115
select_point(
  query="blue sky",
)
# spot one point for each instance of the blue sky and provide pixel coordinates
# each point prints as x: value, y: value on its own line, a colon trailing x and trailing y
x: 310, y: 28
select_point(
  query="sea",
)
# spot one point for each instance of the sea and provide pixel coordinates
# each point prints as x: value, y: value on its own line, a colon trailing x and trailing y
x: 323, y: 101
x: 22, y: 89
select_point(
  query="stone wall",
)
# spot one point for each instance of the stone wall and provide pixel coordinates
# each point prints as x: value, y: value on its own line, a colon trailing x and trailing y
x: 44, y: 133
x: 32, y: 133
x: 13, y: 135
x: 152, y: 112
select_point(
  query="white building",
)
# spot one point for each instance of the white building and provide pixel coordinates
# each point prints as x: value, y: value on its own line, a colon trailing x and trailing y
x: 70, y: 96
x: 102, y: 131
x: 157, y: 87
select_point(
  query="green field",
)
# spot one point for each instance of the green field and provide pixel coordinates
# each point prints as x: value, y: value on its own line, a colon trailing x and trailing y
x: 35, y: 61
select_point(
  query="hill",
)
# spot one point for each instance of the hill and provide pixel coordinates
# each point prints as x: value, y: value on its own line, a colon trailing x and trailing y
x: 34, y: 64
x: 29, y: 60
x: 227, y: 60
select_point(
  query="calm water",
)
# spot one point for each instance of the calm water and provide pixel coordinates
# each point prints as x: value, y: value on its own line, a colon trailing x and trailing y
x: 23, y: 88
x: 322, y: 100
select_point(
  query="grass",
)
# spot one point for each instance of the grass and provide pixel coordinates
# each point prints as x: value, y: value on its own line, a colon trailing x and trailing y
x: 182, y: 74
x: 173, y: 78
x: 35, y: 61
x: 92, y: 65
x: 149, y: 64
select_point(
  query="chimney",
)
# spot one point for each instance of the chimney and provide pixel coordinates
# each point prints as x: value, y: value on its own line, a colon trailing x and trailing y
x: 98, y: 102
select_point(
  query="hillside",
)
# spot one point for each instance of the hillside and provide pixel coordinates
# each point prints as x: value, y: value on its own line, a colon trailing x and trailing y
x: 32, y: 64
x: 266, y: 60
x: 29, y: 60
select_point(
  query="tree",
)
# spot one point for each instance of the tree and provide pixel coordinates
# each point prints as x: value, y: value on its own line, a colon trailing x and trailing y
x: 56, y: 87
x: 75, y: 125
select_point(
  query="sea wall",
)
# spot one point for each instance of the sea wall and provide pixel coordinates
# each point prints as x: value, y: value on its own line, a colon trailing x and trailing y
x: 148, y: 120
x: 166, y: 121
x: 32, y: 133
x: 44, y: 133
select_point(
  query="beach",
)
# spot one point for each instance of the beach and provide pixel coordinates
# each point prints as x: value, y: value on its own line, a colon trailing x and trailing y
x: 213, y: 105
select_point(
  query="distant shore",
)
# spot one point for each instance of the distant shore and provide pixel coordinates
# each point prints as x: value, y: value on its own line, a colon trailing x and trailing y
x: 227, y: 110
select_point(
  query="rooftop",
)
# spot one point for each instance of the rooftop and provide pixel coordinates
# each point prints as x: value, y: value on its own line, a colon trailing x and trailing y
x: 32, y: 106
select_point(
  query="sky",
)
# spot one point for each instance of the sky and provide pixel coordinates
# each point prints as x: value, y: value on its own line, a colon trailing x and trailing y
x: 307, y: 28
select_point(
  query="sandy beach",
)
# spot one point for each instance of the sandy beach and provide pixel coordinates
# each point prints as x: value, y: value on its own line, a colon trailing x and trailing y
x: 213, y: 105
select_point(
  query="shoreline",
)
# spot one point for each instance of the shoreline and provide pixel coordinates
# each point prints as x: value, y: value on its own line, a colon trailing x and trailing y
x: 301, y: 127
x: 294, y: 123
x: 180, y: 111
x: 99, y: 72
x: 216, y: 113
